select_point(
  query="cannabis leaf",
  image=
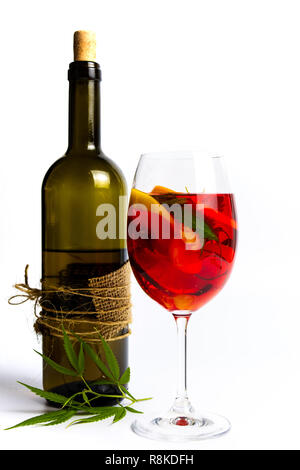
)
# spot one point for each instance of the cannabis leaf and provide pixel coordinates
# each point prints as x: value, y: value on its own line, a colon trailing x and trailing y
x: 81, y: 403
x: 125, y: 377
x: 71, y: 355
x: 99, y: 363
x: 120, y: 414
x: 57, y: 367
x: 55, y: 397
x: 132, y: 410
x: 81, y: 360
x: 44, y: 418
x: 111, y: 359
x: 62, y: 418
x: 98, y: 417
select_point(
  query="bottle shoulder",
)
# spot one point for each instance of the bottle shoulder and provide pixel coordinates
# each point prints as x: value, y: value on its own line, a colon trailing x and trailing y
x: 112, y: 166
x: 85, y: 170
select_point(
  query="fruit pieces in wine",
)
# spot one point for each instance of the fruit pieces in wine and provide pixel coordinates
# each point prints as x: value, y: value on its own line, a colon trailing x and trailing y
x: 176, y: 274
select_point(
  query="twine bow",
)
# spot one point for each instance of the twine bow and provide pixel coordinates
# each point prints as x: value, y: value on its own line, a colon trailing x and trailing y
x: 30, y: 293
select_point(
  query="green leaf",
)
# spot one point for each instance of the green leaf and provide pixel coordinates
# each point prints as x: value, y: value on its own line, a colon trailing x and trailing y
x: 208, y: 232
x: 71, y: 402
x: 84, y: 395
x: 44, y: 418
x: 71, y: 355
x: 99, y: 409
x: 120, y: 414
x: 57, y: 367
x: 132, y: 410
x: 68, y: 414
x: 99, y: 363
x: 102, y: 382
x: 126, y: 391
x: 81, y: 361
x: 169, y: 200
x: 55, y: 397
x: 125, y: 378
x: 111, y: 359
x: 97, y: 417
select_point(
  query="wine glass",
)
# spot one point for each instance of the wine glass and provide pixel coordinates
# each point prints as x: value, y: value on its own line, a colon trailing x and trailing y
x: 181, y: 243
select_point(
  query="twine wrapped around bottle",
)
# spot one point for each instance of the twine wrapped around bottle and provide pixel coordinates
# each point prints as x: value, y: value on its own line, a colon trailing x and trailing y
x: 110, y: 295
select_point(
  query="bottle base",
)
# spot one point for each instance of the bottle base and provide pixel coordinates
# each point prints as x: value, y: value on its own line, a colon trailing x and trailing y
x: 69, y: 389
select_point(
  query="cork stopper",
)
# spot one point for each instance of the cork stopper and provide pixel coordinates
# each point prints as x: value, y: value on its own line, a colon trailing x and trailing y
x: 85, y: 46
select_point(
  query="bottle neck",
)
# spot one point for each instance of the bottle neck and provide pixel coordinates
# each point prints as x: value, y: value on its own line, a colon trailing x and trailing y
x: 84, y: 110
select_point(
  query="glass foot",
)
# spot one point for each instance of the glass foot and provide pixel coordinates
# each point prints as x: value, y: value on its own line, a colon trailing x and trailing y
x: 181, y: 428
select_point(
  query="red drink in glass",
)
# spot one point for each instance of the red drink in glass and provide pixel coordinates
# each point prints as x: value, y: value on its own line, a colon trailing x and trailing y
x: 183, y: 273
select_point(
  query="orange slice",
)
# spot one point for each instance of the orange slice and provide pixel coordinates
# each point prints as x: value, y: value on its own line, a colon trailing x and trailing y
x: 161, y: 190
x: 139, y: 197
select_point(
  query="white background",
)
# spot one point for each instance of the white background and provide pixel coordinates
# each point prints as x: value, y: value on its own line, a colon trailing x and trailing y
x: 177, y: 74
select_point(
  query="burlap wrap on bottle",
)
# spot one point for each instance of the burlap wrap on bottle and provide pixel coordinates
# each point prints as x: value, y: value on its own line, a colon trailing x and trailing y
x: 107, y: 310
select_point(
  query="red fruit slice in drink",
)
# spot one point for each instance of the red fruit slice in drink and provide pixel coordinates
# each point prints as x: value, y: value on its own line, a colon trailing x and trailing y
x: 162, y: 272
x: 187, y: 260
x: 219, y: 249
x: 216, y: 219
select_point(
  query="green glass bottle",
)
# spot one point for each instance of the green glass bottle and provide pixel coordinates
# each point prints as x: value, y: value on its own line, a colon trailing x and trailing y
x: 72, y: 252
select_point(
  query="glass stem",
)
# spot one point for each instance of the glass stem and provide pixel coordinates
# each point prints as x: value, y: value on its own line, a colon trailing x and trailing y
x: 182, y: 404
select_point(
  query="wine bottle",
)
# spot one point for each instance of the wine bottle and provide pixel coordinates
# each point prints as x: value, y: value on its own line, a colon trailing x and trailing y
x: 72, y: 251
